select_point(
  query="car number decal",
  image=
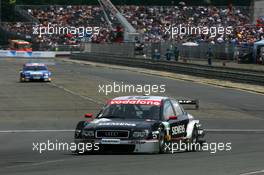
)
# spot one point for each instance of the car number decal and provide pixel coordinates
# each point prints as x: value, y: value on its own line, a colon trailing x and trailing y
x: 178, y: 129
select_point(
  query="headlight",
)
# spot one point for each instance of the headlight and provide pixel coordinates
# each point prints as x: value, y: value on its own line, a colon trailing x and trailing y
x: 46, y: 74
x: 88, y: 133
x: 140, y: 134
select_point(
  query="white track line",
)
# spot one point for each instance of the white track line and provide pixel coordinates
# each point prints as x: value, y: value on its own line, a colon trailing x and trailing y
x: 36, y: 130
x: 72, y: 130
x: 234, y: 130
x: 40, y: 163
x: 76, y: 94
x: 253, y: 172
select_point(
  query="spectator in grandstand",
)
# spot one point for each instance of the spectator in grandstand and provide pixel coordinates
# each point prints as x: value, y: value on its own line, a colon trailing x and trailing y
x: 148, y: 20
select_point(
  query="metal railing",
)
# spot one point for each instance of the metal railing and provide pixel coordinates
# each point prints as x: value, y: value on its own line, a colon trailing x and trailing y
x: 233, y: 74
x: 220, y: 51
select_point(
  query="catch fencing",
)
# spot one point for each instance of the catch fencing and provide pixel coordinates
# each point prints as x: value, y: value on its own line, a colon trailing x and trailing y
x: 233, y: 74
x: 220, y: 51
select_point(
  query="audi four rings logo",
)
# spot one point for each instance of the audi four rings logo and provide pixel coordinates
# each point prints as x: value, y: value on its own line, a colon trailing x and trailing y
x: 111, y: 134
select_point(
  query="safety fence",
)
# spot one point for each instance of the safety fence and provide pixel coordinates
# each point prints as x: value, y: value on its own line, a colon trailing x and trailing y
x: 125, y: 49
x: 220, y: 51
x: 200, y: 51
x: 26, y: 54
x: 233, y: 74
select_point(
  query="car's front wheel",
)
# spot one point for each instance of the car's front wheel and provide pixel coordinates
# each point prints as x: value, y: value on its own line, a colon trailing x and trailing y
x: 163, y: 143
x: 194, y: 140
x: 77, y: 135
x: 21, y: 79
x: 78, y: 129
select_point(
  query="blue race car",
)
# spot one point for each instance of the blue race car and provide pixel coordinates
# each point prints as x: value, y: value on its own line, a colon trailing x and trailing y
x: 35, y: 71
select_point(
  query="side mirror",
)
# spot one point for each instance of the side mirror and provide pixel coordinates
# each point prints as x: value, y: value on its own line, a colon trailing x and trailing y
x: 88, y: 115
x: 173, y: 117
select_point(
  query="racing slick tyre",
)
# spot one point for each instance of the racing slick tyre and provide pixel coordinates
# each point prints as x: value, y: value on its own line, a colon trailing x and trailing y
x: 162, y: 143
x: 80, y: 125
x: 191, y: 146
x: 78, y: 129
x: 21, y: 80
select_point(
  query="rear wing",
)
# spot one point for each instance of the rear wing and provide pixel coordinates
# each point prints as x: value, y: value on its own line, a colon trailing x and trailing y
x: 190, y: 102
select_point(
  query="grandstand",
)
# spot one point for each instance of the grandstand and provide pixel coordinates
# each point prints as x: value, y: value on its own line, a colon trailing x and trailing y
x: 149, y: 21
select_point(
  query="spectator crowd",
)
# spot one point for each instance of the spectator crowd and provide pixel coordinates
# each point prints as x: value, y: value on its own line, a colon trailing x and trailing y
x: 150, y: 21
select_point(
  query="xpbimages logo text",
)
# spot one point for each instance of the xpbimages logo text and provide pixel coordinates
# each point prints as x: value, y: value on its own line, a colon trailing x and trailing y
x: 146, y: 89
x: 55, y: 145
x: 55, y: 29
x: 212, y: 147
x: 182, y: 30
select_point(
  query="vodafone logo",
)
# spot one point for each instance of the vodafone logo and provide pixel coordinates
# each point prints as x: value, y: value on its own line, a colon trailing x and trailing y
x: 140, y: 102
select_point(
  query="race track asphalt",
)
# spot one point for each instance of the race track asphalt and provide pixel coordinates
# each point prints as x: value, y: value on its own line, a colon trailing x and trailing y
x: 50, y: 111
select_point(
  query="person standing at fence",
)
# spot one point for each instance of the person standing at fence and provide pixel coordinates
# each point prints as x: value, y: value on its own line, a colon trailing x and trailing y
x: 176, y: 53
x: 168, y: 55
x: 262, y: 56
x: 209, y: 56
x: 260, y: 60
x: 156, y: 54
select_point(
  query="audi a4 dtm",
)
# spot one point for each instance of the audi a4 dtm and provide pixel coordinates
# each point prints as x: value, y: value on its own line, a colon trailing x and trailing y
x: 144, y: 124
x: 35, y: 71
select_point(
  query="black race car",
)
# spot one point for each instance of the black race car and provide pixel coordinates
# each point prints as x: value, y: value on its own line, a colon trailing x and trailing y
x: 145, y: 124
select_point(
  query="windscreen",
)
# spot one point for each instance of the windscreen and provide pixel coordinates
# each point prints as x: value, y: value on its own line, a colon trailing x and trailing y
x: 131, y: 111
x: 35, y: 68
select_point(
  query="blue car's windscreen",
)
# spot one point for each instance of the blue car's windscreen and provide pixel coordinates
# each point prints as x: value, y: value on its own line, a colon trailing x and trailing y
x: 35, y: 68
